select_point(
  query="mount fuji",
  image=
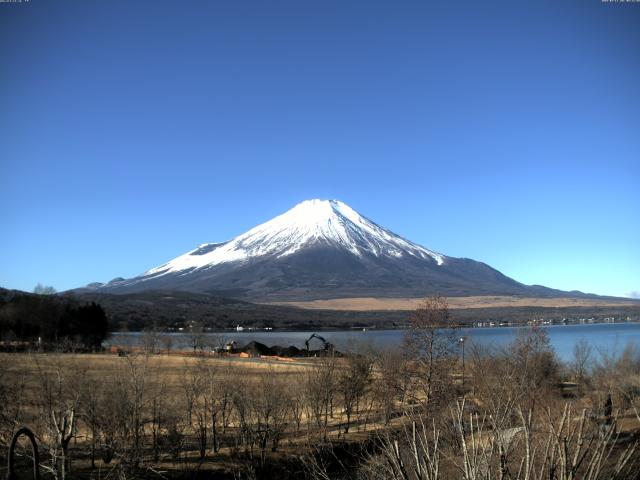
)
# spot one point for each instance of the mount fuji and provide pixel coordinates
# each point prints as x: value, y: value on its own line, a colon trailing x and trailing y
x: 322, y: 249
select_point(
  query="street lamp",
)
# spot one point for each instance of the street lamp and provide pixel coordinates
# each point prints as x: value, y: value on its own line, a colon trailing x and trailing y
x: 462, y: 345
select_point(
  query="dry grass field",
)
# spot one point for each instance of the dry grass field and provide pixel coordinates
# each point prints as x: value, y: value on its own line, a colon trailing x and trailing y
x: 258, y: 393
x: 456, y: 303
x: 168, y: 370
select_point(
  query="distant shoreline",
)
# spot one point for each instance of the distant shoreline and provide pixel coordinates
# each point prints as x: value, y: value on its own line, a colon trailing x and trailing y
x: 365, y: 329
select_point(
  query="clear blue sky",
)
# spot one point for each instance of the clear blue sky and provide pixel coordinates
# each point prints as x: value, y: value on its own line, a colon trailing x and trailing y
x: 507, y: 132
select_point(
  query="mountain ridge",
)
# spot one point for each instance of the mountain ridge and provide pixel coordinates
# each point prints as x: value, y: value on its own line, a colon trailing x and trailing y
x: 323, y: 249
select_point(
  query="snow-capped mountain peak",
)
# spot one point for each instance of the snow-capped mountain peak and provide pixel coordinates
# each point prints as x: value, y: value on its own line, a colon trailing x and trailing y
x: 325, y: 222
x: 320, y: 249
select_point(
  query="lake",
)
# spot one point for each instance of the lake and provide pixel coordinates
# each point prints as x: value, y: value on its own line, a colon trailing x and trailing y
x: 605, y: 337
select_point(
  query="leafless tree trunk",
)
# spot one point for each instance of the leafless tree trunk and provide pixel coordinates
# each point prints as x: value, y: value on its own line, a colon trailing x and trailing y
x: 431, y: 345
x: 582, y: 353
x: 353, y: 381
x: 321, y: 387
x: 60, y: 389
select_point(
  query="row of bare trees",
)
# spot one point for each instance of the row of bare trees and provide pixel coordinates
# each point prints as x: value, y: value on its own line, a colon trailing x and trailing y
x: 521, y: 414
x: 562, y: 445
x: 132, y: 412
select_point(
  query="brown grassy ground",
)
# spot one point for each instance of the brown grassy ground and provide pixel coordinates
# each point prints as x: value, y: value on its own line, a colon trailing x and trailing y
x: 377, y: 304
x: 172, y: 367
x: 169, y: 370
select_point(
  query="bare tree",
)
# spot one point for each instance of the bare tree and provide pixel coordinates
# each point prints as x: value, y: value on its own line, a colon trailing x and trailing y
x: 563, y: 448
x: 391, y: 380
x: 533, y: 360
x: 60, y: 386
x: 582, y: 357
x: 321, y: 389
x: 167, y: 343
x: 150, y: 340
x: 12, y: 387
x: 196, y: 337
x: 242, y: 410
x: 202, y: 401
x: 44, y: 289
x: 135, y: 386
x: 616, y: 373
x: 296, y: 388
x: 271, y: 406
x: 94, y: 413
x: 353, y: 381
x: 432, y: 348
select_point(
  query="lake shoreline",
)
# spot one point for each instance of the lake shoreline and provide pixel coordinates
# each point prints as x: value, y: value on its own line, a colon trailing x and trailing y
x: 604, y: 337
x: 368, y: 328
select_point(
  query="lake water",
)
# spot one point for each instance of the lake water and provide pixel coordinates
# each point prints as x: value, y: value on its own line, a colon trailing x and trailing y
x: 605, y: 337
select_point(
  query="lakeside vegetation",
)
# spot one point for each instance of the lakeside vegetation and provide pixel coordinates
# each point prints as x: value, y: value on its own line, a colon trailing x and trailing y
x: 173, y: 311
x: 418, y: 412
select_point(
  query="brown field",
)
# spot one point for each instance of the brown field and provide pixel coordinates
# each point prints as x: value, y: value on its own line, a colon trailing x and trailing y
x: 167, y: 369
x: 457, y: 303
x: 169, y: 377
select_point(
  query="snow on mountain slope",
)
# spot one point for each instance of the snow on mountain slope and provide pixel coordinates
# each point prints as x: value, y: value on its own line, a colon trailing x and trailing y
x: 328, y: 222
x: 322, y: 249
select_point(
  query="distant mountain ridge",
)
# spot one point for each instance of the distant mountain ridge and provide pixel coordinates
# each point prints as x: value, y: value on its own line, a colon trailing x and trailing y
x: 323, y: 249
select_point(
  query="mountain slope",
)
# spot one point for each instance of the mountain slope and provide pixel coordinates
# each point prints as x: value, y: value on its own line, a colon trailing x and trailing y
x: 323, y: 249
